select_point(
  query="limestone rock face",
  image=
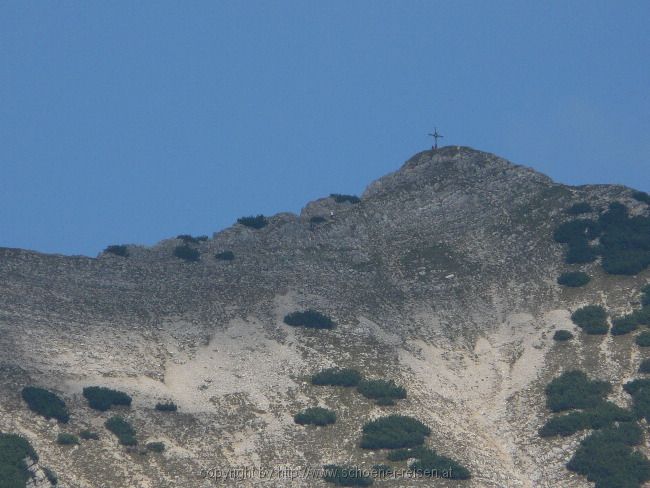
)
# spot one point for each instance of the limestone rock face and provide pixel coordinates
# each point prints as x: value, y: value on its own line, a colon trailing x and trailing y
x: 441, y: 278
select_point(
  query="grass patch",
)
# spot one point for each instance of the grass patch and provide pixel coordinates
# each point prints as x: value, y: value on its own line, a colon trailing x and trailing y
x: 393, y: 432
x: 315, y: 416
x: 592, y: 319
x: 310, y: 319
x: 254, y: 222
x: 562, y: 335
x: 573, y: 389
x: 336, y: 377
x: 101, y: 398
x: 574, y: 279
x: 45, y: 403
x: 13, y: 469
x: 122, y: 429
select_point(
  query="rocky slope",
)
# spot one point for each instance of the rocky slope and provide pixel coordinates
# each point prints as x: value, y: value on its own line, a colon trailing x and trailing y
x: 443, y: 278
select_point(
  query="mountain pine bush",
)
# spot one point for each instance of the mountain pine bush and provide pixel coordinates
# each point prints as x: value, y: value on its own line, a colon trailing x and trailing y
x: 101, y: 398
x: 45, y: 403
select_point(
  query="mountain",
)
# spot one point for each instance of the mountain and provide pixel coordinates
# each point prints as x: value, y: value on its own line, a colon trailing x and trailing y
x: 441, y: 277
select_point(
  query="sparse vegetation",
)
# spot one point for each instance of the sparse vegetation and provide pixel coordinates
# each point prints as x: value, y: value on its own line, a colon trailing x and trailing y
x: 339, y: 198
x: 101, y: 398
x: 122, y: 429
x: 254, y: 222
x: 166, y: 407
x: 573, y: 279
x: 315, y: 416
x: 45, y: 403
x: 592, y: 319
x: 118, y: 249
x: 155, y: 446
x: 66, y: 439
x: 381, y: 389
x: 574, y: 389
x: 579, y: 208
x: 562, y: 335
x: 643, y: 339
x: 310, y: 319
x: 225, y: 256
x: 89, y: 435
x: 394, y: 432
x: 187, y: 253
x: 14, y: 449
x: 345, y: 476
x: 336, y: 377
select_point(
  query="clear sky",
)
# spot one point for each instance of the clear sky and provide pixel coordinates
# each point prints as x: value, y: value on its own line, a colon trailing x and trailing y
x: 130, y: 122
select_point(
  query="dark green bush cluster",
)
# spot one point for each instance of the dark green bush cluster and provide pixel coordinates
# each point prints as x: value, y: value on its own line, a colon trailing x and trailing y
x: 336, y: 377
x: 641, y: 196
x: 429, y: 463
x: 254, y: 222
x: 579, y: 208
x: 317, y: 219
x: 573, y: 389
x: 188, y: 239
x: 562, y: 335
x: 592, y: 319
x: 45, y: 403
x: 574, y: 279
x: 315, y: 416
x: 155, y: 446
x: 381, y: 389
x: 607, y: 457
x: 101, y: 398
x: 225, y: 256
x: 166, y: 407
x: 66, y: 439
x: 89, y: 435
x: 604, y: 414
x: 187, y: 253
x: 643, y: 339
x: 13, y: 451
x: 310, y: 319
x: 394, y: 432
x: 640, y: 391
x: 644, y: 367
x: 339, y: 198
x: 624, y: 240
x: 346, y: 476
x: 118, y: 250
x: 122, y: 429
x: 624, y: 325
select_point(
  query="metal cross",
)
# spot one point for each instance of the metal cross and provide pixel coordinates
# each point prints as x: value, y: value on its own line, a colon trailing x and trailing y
x: 436, y: 136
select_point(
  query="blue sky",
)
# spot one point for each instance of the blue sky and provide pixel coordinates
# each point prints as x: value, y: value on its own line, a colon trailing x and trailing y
x: 130, y: 122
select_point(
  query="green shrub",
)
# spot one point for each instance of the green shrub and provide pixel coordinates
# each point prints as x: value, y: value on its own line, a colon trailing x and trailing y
x: 642, y: 316
x: 155, y: 446
x: 624, y: 325
x: 315, y: 416
x: 188, y: 239
x: 579, y: 208
x: 225, y: 256
x: 45, y: 403
x: 393, y: 432
x: 101, y: 398
x: 580, y: 252
x: 625, y: 243
x: 644, y: 367
x: 89, y: 435
x: 632, y: 387
x: 336, y: 377
x: 50, y: 475
x: 576, y: 230
x: 643, y: 339
x: 431, y: 464
x: 607, y: 458
x: 310, y: 319
x: 592, y: 319
x: 317, y: 219
x: 187, y: 253
x: 122, y: 429
x: 641, y: 403
x: 14, y: 472
x: 345, y: 476
x: 339, y: 198
x: 66, y: 439
x: 573, y: 389
x: 166, y: 407
x: 256, y: 222
x: 602, y: 415
x: 641, y: 196
x: 118, y: 249
x: 573, y: 279
x: 562, y: 335
x: 381, y: 389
